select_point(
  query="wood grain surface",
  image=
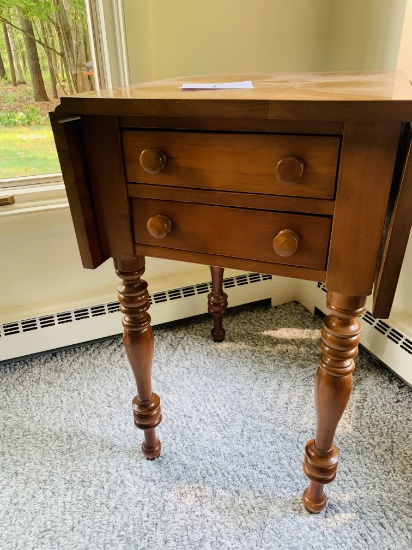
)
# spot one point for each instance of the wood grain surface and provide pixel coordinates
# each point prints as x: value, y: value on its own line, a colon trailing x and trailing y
x: 235, y: 162
x: 234, y: 232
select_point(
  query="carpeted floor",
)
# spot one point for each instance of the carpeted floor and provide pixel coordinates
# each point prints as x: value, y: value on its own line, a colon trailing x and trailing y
x: 236, y: 417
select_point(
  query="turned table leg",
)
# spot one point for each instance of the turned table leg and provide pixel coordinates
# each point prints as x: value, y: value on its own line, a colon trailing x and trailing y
x: 139, y: 346
x: 217, y: 303
x: 333, y: 384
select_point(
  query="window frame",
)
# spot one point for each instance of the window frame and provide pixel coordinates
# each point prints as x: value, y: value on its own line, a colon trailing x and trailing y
x: 106, y: 27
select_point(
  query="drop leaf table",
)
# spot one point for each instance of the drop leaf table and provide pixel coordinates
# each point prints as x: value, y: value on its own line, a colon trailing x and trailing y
x: 305, y: 175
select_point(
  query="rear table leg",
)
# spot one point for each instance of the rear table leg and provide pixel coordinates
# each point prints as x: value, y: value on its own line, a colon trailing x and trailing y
x: 217, y: 303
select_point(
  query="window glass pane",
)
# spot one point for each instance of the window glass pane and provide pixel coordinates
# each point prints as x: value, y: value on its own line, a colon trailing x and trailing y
x: 44, y: 54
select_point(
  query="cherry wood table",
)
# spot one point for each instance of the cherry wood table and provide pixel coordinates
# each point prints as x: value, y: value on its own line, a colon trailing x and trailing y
x: 306, y: 175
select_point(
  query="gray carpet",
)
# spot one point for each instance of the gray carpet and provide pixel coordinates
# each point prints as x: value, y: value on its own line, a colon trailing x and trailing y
x: 236, y: 418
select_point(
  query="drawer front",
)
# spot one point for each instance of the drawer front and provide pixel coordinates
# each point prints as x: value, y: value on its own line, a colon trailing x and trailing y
x: 292, y: 165
x: 233, y: 232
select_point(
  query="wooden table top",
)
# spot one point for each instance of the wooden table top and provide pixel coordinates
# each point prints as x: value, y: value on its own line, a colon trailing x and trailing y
x: 327, y: 96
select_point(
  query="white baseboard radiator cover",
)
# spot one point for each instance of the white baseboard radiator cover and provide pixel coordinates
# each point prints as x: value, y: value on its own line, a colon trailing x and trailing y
x: 388, y: 344
x: 45, y: 333
x: 50, y: 332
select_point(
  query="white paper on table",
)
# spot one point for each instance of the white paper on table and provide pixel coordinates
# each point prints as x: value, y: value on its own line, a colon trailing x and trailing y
x: 246, y: 85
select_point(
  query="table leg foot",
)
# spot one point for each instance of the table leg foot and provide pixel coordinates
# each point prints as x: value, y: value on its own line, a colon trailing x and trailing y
x: 320, y: 467
x: 147, y: 415
x: 314, y: 499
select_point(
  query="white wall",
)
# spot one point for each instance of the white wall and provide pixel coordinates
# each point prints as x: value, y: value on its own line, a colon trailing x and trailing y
x: 364, y: 35
x: 403, y: 296
x: 42, y: 271
x: 405, y: 48
x: 187, y: 37
x: 184, y: 37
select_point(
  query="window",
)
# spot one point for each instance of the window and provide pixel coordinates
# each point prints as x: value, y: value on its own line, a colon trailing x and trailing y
x: 49, y: 48
x: 44, y: 53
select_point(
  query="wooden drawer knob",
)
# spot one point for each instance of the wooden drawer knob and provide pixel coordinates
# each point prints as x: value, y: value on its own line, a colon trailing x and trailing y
x: 159, y: 226
x: 289, y: 170
x: 286, y: 243
x: 152, y: 160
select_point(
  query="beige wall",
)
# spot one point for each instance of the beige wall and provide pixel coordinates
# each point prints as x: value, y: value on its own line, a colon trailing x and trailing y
x: 403, y: 297
x: 46, y: 262
x: 364, y: 35
x: 405, y: 49
x: 183, y: 37
x: 43, y: 273
x: 187, y: 37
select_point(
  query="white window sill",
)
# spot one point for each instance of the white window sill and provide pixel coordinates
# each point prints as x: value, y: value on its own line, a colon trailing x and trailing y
x: 30, y: 195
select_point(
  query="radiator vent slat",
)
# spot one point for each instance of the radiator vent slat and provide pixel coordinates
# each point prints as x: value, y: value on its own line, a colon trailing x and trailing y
x: 407, y: 346
x: 113, y: 307
x: 202, y: 288
x: 29, y: 324
x: 46, y: 321
x: 81, y: 314
x: 65, y: 317
x: 11, y: 328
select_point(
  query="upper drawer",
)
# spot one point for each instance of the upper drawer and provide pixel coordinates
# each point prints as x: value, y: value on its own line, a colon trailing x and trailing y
x: 293, y: 165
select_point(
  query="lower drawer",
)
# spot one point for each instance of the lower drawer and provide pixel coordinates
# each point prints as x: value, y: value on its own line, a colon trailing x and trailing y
x: 233, y: 232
